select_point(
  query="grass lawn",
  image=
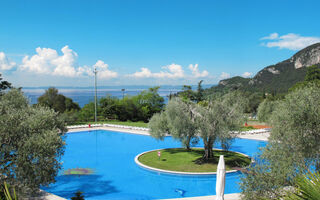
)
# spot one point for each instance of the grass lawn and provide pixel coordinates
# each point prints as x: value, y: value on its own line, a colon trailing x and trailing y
x: 127, y: 123
x: 247, y: 128
x: 188, y: 161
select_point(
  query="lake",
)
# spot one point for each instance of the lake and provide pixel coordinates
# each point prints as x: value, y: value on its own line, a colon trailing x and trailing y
x: 83, y: 96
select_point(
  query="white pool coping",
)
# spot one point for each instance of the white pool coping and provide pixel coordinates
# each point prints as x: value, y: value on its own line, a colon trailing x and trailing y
x: 262, y: 136
x: 232, y: 196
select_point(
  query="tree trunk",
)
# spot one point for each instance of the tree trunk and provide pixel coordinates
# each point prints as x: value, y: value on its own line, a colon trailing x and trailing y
x: 188, y: 143
x: 208, y: 152
x: 318, y: 166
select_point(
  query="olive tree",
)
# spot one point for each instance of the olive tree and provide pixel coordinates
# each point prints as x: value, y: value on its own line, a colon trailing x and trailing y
x: 176, y: 120
x: 219, y: 120
x: 215, y: 120
x: 158, y: 125
x: 181, y: 121
x: 265, y: 110
x: 293, y: 147
x: 31, y: 140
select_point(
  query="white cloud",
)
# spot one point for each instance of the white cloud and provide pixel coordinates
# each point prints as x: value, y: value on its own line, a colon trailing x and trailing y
x: 224, y: 75
x: 103, y: 71
x: 290, y: 41
x: 48, y: 61
x: 172, y: 71
x: 144, y: 73
x: 65, y: 65
x: 85, y: 70
x: 196, y: 73
x: 272, y: 36
x: 5, y: 64
x: 246, y: 74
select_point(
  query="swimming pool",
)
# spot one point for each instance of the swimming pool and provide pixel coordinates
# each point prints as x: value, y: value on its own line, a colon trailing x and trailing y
x: 111, y: 155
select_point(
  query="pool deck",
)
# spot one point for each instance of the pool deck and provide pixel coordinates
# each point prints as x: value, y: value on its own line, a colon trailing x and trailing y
x: 250, y: 136
x: 46, y: 196
x: 235, y: 196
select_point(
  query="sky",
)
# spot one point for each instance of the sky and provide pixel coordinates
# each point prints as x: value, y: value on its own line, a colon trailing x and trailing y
x: 149, y: 42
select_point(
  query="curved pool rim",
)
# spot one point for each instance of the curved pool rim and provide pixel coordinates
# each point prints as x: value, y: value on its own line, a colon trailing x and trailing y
x: 136, y: 160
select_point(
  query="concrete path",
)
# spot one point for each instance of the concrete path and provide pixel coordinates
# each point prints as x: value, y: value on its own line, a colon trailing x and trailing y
x: 258, y: 136
x: 234, y: 196
x: 251, y: 136
x: 124, y: 130
x: 45, y: 196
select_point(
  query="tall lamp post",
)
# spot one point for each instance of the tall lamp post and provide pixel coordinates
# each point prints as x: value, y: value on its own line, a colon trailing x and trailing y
x: 95, y: 93
x: 123, y: 93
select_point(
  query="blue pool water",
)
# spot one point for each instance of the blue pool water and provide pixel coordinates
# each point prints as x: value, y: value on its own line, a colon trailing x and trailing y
x: 111, y: 155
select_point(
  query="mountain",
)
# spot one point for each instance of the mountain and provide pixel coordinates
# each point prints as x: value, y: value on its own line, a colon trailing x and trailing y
x: 276, y: 78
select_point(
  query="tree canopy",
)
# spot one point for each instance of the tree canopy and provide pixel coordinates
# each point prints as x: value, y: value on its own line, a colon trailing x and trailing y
x: 215, y: 120
x: 4, y: 85
x: 52, y: 99
x: 293, y: 147
x: 219, y: 120
x: 312, y: 77
x: 134, y: 108
x: 265, y: 110
x: 176, y: 120
x: 31, y: 142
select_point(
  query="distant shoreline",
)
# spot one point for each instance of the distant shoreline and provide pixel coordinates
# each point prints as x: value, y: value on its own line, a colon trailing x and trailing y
x: 120, y: 87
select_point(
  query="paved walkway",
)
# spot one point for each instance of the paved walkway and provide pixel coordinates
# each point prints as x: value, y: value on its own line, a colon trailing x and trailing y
x: 258, y: 136
x: 45, y: 196
x: 251, y: 136
x: 234, y: 196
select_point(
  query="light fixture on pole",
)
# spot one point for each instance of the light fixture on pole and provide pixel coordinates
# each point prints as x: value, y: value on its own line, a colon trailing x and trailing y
x: 123, y: 92
x: 95, y: 93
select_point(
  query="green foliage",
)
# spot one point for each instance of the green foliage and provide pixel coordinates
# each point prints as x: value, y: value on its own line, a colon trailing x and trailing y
x: 150, y: 102
x: 215, y: 120
x: 126, y: 123
x: 78, y: 196
x: 293, y: 145
x: 220, y: 120
x: 312, y: 77
x: 313, y: 73
x: 176, y: 120
x: 247, y: 128
x: 109, y: 107
x: 52, y: 99
x: 7, y: 193
x: 136, y: 108
x: 307, y: 187
x: 304, y: 84
x: 181, y: 122
x: 200, y: 94
x: 87, y: 112
x: 4, y: 85
x: 265, y: 110
x: 31, y: 142
x: 227, y: 85
x: 187, y: 93
x: 158, y: 125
